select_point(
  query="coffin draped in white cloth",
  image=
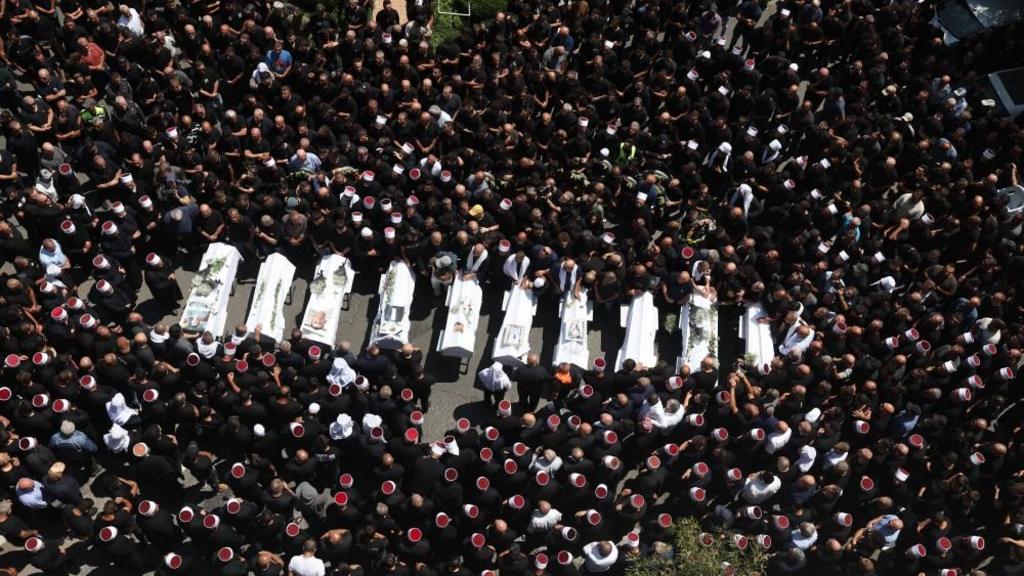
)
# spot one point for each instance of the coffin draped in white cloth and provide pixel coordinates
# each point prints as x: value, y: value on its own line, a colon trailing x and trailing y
x: 273, y: 283
x: 698, y: 325
x: 757, y: 337
x: 641, y: 321
x: 459, y: 336
x: 513, y: 341
x: 332, y: 282
x: 572, y: 346
x: 207, y: 306
x: 391, y: 326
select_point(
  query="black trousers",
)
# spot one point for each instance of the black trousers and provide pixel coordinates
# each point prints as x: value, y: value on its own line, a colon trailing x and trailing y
x: 493, y: 398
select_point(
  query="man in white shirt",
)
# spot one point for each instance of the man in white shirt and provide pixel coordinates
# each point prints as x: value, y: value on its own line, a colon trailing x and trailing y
x: 601, y: 556
x: 307, y: 564
x: 798, y: 338
x: 760, y: 486
x: 129, y: 18
x: 778, y: 438
x: 543, y: 518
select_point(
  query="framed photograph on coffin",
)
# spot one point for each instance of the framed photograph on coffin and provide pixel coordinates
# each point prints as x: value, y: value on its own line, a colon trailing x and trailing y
x: 513, y: 335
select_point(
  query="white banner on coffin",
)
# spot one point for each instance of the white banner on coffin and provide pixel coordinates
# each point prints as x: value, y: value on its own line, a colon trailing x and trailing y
x: 757, y: 337
x: 698, y: 325
x: 459, y: 336
x: 641, y: 321
x: 273, y: 283
x: 391, y: 326
x: 512, y: 343
x: 573, y: 346
x: 332, y: 282
x: 207, y: 305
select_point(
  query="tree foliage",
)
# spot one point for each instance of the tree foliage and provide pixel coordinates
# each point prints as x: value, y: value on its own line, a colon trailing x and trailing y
x: 449, y: 26
x: 696, y: 553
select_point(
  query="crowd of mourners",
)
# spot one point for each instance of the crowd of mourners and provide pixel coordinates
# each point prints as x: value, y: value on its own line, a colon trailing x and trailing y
x: 832, y: 160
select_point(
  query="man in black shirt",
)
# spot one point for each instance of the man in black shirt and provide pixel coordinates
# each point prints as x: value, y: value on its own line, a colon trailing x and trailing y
x: 533, y: 382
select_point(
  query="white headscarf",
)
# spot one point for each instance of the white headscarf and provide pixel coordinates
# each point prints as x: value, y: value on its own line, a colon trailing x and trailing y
x: 494, y: 378
x: 261, y: 70
x: 341, y: 373
x: 743, y: 194
x: 371, y: 421
x: 118, y: 410
x: 695, y: 272
x: 341, y: 428
x: 117, y: 439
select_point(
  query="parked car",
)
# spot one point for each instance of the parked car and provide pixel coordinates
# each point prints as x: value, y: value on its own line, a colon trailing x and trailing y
x: 959, y: 19
x: 1004, y: 91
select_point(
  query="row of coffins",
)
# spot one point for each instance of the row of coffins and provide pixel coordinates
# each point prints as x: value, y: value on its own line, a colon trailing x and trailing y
x: 331, y: 287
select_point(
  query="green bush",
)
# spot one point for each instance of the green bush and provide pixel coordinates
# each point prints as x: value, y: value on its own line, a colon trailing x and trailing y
x: 445, y: 26
x: 449, y: 26
x: 692, y: 557
x: 487, y: 9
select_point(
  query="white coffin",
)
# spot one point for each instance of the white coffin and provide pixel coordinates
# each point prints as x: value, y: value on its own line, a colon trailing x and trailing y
x: 698, y: 325
x: 513, y: 341
x: 332, y: 283
x: 391, y: 326
x: 207, y: 306
x: 572, y: 344
x: 273, y: 283
x: 759, y: 347
x: 641, y: 321
x: 459, y: 336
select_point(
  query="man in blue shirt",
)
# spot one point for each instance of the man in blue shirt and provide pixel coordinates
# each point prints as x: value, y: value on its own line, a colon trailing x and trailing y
x: 30, y: 494
x: 70, y: 438
x: 888, y: 529
x: 303, y: 161
x: 279, y: 59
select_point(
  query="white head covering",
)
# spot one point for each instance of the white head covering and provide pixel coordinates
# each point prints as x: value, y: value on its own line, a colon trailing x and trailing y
x: 53, y: 273
x: 118, y: 410
x: 261, y: 70
x: 78, y: 201
x: 808, y: 455
x: 371, y: 421
x: 695, y: 271
x: 494, y: 378
x: 341, y: 428
x: 117, y: 439
x: 341, y: 373
x: 743, y: 194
